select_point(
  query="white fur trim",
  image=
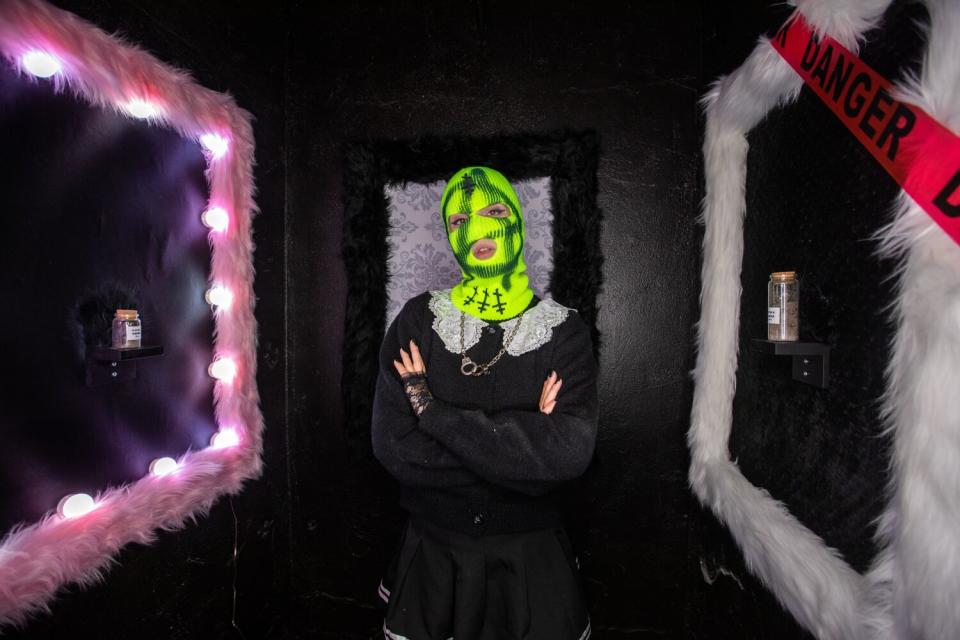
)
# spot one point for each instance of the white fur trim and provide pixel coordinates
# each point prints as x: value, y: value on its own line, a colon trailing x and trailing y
x: 914, y: 584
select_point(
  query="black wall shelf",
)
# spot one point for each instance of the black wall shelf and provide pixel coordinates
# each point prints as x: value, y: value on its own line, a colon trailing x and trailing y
x: 108, y: 364
x: 112, y: 354
x: 811, y: 360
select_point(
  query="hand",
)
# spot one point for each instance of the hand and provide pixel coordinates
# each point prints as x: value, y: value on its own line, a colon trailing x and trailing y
x: 413, y: 373
x: 548, y: 395
x: 412, y: 362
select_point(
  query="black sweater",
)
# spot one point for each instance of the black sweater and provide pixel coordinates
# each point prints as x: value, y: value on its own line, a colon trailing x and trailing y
x: 482, y: 458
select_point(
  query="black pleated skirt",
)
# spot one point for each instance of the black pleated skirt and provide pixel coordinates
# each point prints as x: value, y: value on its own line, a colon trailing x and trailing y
x: 520, y: 586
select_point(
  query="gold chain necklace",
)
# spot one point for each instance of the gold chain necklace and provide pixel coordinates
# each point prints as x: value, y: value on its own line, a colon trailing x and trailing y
x: 470, y: 368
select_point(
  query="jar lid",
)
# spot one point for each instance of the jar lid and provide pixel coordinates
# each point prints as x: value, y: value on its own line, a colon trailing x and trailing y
x: 783, y: 275
x: 127, y: 314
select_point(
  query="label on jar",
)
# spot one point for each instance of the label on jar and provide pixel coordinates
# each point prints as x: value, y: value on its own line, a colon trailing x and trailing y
x: 133, y: 333
x: 773, y: 315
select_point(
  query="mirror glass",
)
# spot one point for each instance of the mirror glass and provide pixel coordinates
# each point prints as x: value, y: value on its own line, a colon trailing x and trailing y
x: 97, y: 210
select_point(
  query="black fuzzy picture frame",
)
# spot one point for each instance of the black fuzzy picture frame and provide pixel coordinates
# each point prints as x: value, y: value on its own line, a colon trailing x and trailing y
x: 568, y: 158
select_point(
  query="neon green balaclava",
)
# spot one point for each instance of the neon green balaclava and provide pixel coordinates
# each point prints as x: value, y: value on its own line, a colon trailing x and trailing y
x: 494, y: 285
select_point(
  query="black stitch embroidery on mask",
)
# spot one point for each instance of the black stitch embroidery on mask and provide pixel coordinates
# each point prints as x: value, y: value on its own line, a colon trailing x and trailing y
x: 499, y: 305
x: 469, y: 299
x: 482, y: 306
x: 468, y: 185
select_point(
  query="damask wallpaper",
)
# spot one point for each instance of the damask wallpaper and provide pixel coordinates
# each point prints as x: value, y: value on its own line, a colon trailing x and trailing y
x: 420, y: 258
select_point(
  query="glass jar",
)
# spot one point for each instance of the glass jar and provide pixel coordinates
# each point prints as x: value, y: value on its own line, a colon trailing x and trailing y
x: 783, y: 306
x: 126, y: 329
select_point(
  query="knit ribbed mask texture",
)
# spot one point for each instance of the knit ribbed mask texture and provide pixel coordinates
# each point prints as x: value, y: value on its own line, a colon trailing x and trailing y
x: 496, y: 288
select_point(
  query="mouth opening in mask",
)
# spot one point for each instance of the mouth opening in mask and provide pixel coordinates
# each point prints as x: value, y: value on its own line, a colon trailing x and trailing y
x: 484, y: 249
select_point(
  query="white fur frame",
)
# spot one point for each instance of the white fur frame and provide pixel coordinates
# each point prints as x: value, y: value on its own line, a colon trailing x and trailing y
x: 913, y: 588
x: 38, y: 559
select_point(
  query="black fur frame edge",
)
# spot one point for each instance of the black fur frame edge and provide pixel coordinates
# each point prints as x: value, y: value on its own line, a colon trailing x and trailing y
x: 568, y: 158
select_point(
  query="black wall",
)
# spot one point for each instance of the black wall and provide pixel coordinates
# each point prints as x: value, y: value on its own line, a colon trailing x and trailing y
x: 314, y: 533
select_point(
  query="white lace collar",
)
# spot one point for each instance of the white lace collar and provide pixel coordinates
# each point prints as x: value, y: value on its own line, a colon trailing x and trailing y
x: 535, y: 330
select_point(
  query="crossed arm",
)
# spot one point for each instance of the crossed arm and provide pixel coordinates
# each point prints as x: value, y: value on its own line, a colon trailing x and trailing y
x: 413, y: 374
x: 425, y: 441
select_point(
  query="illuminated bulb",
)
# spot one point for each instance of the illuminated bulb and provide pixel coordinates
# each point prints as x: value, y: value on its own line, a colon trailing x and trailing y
x: 223, y: 369
x: 76, y: 504
x: 219, y: 297
x: 163, y: 466
x: 141, y: 108
x: 40, y: 63
x: 225, y: 438
x: 216, y: 218
x: 215, y: 144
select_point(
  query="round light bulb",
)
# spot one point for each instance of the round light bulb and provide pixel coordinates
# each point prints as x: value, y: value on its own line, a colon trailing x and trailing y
x: 223, y: 369
x: 139, y: 108
x: 219, y: 297
x: 216, y: 144
x: 75, y: 505
x: 216, y: 218
x: 40, y: 63
x: 163, y: 466
x: 225, y: 438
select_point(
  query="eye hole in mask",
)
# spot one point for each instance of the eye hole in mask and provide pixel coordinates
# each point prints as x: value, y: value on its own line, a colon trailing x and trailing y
x: 493, y: 211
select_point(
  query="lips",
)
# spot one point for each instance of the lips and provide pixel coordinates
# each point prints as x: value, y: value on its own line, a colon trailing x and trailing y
x: 483, y: 249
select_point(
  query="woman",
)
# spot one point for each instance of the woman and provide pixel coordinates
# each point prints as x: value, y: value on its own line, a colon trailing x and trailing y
x: 485, y: 403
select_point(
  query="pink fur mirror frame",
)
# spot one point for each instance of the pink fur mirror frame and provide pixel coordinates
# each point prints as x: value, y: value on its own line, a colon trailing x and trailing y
x: 911, y: 588
x: 70, y: 54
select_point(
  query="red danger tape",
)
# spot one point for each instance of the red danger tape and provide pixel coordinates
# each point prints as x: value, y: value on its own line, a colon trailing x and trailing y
x: 921, y: 154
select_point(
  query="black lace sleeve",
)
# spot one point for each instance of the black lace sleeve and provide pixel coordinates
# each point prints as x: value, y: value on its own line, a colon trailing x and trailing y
x: 415, y: 386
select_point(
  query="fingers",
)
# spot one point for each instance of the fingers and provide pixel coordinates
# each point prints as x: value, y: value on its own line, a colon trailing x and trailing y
x: 411, y: 362
x: 545, y: 388
x: 418, y: 364
x: 543, y: 391
x: 548, y: 393
x: 552, y: 393
x: 407, y: 361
